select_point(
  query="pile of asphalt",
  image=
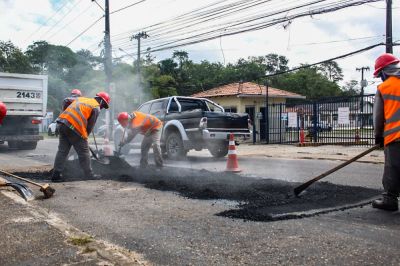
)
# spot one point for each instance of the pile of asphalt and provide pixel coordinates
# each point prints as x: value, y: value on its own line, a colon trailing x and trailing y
x: 257, y: 199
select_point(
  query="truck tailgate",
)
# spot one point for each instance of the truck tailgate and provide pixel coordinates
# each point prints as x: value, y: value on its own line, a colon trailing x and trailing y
x: 24, y: 94
x: 226, y: 121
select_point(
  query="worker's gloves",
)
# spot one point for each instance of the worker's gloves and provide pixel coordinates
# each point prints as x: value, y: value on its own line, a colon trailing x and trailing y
x: 380, y: 141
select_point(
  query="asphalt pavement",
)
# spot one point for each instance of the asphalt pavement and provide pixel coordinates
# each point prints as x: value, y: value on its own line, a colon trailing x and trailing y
x: 164, y: 221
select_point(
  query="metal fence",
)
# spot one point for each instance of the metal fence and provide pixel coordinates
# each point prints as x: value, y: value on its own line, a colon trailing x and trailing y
x: 336, y: 120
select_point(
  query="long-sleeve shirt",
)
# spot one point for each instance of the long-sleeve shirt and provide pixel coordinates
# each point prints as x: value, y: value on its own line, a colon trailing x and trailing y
x: 379, y: 115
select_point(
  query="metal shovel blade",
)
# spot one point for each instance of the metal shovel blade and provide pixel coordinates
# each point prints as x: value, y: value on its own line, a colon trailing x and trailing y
x: 23, y: 190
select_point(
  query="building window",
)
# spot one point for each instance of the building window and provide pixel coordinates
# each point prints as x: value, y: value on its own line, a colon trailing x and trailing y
x: 231, y: 109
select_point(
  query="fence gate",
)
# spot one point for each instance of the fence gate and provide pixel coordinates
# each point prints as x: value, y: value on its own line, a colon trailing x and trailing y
x: 336, y: 120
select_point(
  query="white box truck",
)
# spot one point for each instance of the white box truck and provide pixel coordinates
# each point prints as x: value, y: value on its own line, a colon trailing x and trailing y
x: 26, y: 99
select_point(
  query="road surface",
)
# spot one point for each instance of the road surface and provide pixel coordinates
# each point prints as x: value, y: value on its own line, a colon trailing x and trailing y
x: 176, y: 218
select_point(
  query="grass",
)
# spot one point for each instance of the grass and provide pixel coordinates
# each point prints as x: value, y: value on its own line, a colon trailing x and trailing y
x: 81, y: 241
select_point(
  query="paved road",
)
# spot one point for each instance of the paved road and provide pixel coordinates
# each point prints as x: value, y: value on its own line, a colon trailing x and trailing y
x: 168, y: 229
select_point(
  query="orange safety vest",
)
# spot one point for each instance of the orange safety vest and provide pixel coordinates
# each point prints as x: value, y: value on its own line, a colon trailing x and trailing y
x: 145, y: 123
x: 78, y: 113
x: 390, y: 91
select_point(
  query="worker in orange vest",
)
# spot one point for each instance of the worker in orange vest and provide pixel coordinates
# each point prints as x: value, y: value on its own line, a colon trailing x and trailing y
x: 147, y: 125
x: 3, y: 112
x: 76, y: 123
x: 75, y: 93
x: 387, y: 128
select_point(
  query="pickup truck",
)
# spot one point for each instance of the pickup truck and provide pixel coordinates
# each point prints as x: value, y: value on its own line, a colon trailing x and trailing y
x: 26, y: 100
x: 194, y: 123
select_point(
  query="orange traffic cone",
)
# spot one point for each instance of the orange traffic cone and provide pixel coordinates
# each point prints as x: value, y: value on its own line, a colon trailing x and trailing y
x: 232, y: 163
x: 107, y: 148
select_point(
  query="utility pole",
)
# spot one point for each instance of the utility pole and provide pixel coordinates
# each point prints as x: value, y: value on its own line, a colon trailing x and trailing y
x: 363, y: 85
x: 389, y: 38
x: 110, y: 89
x: 140, y: 35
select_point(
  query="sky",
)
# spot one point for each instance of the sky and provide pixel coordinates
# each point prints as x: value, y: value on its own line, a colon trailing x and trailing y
x: 307, y: 39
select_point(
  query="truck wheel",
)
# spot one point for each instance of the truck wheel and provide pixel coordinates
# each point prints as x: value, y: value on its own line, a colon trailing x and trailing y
x: 174, y: 146
x: 219, y: 149
x: 12, y: 145
x: 27, y: 145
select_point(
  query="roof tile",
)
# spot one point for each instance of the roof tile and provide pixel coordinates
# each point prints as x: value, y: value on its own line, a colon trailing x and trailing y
x: 245, y: 89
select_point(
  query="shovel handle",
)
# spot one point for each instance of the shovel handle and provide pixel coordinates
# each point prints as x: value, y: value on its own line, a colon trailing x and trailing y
x: 122, y: 140
x: 21, y: 178
x: 305, y: 185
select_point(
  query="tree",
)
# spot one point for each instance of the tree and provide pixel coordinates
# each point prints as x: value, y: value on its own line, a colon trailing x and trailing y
x: 167, y: 67
x: 13, y: 60
x: 182, y: 57
x: 308, y: 82
x: 51, y: 59
x: 276, y: 63
x: 331, y: 71
x: 351, y: 88
x: 163, y: 86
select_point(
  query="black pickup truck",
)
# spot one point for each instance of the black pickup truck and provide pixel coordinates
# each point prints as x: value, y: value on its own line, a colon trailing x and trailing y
x: 195, y: 123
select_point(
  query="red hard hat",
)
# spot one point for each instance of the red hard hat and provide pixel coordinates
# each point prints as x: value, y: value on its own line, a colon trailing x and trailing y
x: 3, y: 111
x: 106, y: 98
x: 76, y: 92
x: 123, y: 119
x: 383, y: 61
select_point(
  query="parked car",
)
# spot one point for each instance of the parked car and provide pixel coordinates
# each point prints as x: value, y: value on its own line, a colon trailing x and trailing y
x: 195, y: 123
x: 321, y: 127
x: 52, y: 129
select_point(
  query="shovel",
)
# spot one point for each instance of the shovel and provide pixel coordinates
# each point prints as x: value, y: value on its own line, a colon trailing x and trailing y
x: 23, y: 190
x: 47, y: 190
x: 302, y: 187
x: 103, y: 160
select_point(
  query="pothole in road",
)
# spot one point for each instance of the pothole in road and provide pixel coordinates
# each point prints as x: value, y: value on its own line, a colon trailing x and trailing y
x: 258, y: 199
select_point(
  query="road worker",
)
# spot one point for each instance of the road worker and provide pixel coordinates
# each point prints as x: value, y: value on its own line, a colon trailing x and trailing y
x: 3, y: 112
x: 387, y: 128
x: 147, y: 125
x: 75, y: 93
x: 76, y: 123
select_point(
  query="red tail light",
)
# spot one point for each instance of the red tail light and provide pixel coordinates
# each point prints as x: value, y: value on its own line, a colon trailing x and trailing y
x: 36, y: 121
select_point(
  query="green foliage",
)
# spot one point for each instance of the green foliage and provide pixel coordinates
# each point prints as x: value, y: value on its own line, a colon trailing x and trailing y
x: 307, y: 82
x: 177, y: 75
x: 13, y: 60
x: 351, y: 88
x: 163, y: 86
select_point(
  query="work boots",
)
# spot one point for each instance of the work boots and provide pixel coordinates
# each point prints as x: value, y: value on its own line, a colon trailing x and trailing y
x: 56, y: 177
x: 388, y: 202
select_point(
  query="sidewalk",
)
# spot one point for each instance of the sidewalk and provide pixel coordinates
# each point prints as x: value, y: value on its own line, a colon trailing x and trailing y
x: 325, y: 152
x: 33, y: 236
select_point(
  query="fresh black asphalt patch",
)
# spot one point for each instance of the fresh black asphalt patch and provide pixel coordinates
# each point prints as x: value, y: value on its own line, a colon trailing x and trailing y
x: 258, y: 199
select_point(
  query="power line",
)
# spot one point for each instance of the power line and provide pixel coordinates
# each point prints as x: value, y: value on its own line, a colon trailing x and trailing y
x: 215, y: 33
x: 336, y: 41
x: 62, y: 18
x: 45, y: 23
x: 71, y: 21
x: 80, y: 34
x: 324, y: 61
x: 128, y: 6
x: 246, y: 24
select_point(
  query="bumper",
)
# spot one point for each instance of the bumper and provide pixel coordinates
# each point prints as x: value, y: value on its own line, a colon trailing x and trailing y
x: 21, y: 138
x: 215, y: 135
